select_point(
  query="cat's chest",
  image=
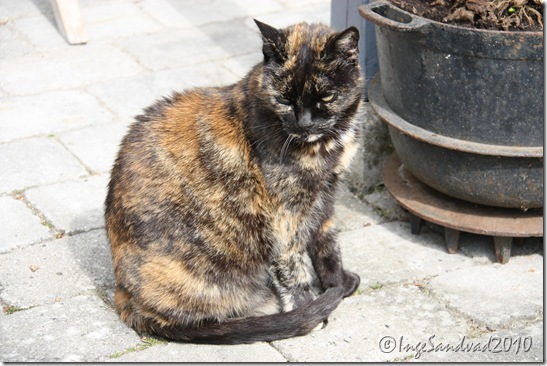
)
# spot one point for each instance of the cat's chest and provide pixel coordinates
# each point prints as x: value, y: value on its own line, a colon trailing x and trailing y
x: 294, y: 188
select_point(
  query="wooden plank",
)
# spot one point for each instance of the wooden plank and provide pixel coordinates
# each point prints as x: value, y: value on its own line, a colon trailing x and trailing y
x: 69, y: 20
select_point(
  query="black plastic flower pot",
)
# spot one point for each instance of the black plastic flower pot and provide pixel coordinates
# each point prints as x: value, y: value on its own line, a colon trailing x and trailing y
x: 476, y: 96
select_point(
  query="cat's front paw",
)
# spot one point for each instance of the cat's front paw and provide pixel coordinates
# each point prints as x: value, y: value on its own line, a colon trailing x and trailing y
x: 351, y: 282
x: 302, y: 295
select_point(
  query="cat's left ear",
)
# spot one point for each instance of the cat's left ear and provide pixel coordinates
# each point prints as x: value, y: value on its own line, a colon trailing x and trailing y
x: 346, y: 45
x: 274, y: 42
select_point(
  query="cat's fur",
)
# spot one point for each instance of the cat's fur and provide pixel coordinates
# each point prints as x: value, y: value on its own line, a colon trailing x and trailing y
x: 220, y: 204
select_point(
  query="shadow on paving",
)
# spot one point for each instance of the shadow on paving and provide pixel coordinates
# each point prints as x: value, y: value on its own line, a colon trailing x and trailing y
x: 478, y: 247
x: 93, y: 255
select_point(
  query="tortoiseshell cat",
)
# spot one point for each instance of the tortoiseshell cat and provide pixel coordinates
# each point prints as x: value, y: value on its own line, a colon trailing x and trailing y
x: 220, y: 204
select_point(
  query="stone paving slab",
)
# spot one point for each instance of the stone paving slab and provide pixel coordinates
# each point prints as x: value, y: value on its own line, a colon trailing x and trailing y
x: 18, y: 9
x: 19, y: 225
x: 118, y: 19
x: 497, y: 295
x: 362, y: 325
x: 84, y: 97
x: 389, y: 253
x: 56, y: 270
x: 153, y: 86
x: 49, y: 113
x: 178, y: 14
x: 180, y: 352
x: 42, y: 32
x: 79, y: 329
x: 166, y: 13
x: 12, y: 45
x: 96, y: 146
x: 65, y: 69
x: 313, y: 12
x: 386, y: 206
x: 177, y: 48
x: 36, y: 161
x: 518, y: 345
x: 73, y: 206
x: 241, y: 65
x: 350, y: 213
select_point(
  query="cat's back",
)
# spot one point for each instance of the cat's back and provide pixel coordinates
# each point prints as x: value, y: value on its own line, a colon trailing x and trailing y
x: 181, y: 135
x: 183, y: 162
x: 180, y: 123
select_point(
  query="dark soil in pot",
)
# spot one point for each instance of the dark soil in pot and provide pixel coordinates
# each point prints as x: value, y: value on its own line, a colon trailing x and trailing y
x: 508, y: 15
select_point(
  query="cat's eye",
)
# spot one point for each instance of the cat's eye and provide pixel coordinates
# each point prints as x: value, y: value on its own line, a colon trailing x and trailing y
x: 284, y: 101
x: 328, y: 98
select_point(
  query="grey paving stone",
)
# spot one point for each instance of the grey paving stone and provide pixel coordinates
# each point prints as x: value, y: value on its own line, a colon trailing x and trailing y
x: 166, y: 13
x: 496, y: 294
x: 95, y: 146
x: 178, y: 352
x: 289, y: 4
x: 171, y: 49
x: 36, y: 161
x: 11, y: 44
x: 106, y: 21
x: 73, y: 206
x: 18, y: 225
x: 241, y: 65
x: 155, y: 85
x: 65, y: 68
x: 49, y: 113
x: 80, y: 329
x: 319, y: 12
x: 389, y: 253
x: 386, y: 205
x: 350, y: 213
x: 517, y: 345
x: 196, y: 13
x: 41, y: 31
x: 361, y: 323
x: 56, y: 270
x: 23, y: 8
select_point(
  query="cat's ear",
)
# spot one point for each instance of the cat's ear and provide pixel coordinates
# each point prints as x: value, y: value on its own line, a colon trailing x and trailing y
x: 345, y: 44
x: 273, y: 42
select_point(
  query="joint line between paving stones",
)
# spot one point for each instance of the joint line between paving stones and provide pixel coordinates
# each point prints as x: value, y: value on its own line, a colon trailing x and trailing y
x: 286, y: 357
x: 57, y: 234
x: 474, y: 323
x: 120, y: 48
x: 118, y: 118
x: 471, y: 323
x: 88, y: 169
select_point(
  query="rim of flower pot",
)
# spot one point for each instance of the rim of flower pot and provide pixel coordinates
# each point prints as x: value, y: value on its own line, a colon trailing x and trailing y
x: 386, y: 15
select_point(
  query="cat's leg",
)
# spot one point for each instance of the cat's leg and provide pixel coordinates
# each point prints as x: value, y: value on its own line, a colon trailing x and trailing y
x: 269, y: 303
x: 326, y: 258
x: 294, y: 278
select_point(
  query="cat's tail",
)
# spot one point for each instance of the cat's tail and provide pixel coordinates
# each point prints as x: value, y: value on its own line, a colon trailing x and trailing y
x: 297, y: 322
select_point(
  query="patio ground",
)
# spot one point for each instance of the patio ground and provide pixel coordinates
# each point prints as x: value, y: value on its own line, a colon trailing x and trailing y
x: 63, y: 111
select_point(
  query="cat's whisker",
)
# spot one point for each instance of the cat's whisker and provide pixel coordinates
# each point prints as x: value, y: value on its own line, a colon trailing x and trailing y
x: 285, y: 147
x: 258, y: 143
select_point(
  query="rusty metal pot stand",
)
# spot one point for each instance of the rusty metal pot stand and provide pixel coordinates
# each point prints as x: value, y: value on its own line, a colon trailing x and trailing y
x: 456, y: 215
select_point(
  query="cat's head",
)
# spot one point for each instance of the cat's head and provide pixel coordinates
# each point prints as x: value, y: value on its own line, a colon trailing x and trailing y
x: 311, y: 79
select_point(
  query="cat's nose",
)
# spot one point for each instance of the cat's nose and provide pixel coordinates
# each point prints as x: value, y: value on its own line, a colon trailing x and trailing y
x: 304, y: 121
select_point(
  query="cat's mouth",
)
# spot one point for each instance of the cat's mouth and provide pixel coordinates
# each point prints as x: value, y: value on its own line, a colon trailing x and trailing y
x: 306, y: 137
x: 314, y: 137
